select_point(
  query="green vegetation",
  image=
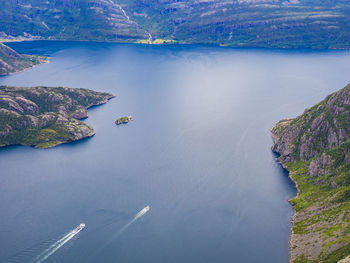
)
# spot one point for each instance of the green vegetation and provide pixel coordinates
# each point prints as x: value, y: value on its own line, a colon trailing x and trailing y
x: 315, y: 149
x: 43, y: 116
x: 157, y: 41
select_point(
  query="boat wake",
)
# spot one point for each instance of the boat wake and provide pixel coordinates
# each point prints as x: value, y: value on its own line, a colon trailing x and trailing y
x: 137, y: 216
x: 142, y: 212
x: 57, y: 245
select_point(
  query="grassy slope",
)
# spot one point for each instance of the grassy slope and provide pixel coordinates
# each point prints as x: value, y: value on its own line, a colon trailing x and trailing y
x: 315, y: 148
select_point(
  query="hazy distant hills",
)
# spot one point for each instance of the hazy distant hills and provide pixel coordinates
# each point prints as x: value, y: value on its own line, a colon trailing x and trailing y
x: 254, y: 23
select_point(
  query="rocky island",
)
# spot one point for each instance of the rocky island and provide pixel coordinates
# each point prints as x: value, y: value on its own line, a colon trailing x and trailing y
x: 46, y: 116
x: 123, y: 120
x: 11, y: 61
x: 315, y: 149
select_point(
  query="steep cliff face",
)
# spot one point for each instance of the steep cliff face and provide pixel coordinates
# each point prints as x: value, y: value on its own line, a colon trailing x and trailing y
x: 325, y: 125
x: 315, y: 148
x: 11, y: 61
x: 44, y: 116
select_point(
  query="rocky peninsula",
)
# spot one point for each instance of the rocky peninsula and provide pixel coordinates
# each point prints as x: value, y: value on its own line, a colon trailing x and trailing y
x: 315, y: 149
x: 46, y: 116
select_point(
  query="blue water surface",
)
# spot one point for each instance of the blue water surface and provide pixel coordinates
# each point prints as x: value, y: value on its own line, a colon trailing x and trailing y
x: 198, y: 152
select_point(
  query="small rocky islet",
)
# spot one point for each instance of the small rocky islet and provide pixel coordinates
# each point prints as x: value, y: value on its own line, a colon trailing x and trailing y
x: 315, y: 149
x: 123, y: 120
x: 44, y: 117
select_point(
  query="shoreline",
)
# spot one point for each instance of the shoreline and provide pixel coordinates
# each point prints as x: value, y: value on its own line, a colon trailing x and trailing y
x: 177, y: 43
x: 292, y: 219
x: 290, y: 176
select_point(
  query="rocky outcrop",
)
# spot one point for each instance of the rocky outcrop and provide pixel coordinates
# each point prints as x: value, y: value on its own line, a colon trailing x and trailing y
x: 315, y: 149
x: 325, y: 125
x: 45, y: 116
x: 11, y: 61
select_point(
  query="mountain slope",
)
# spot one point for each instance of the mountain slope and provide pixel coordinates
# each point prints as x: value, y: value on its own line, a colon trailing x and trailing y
x: 251, y: 23
x: 315, y: 148
x: 254, y: 23
x: 11, y: 61
x: 101, y: 20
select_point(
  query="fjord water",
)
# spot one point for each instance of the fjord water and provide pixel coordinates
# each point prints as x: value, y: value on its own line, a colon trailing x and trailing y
x: 198, y: 152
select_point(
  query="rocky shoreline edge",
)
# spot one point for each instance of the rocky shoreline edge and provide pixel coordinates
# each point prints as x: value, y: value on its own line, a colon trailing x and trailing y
x: 292, y: 220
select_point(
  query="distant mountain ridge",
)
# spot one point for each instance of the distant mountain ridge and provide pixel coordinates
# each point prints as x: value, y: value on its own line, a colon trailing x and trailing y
x: 251, y: 23
x: 247, y: 23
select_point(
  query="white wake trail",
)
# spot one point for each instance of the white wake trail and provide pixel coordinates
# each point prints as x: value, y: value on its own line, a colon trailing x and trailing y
x: 107, y: 243
x: 54, y: 249
x: 137, y: 216
x: 142, y: 212
x: 57, y: 245
x: 46, y: 251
